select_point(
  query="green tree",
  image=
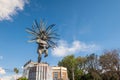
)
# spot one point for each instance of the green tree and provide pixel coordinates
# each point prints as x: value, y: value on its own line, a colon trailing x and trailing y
x: 92, y: 67
x: 22, y: 78
x: 71, y: 64
x: 92, y: 62
x: 16, y: 71
x: 79, y: 71
x: 110, y: 63
x: 81, y: 62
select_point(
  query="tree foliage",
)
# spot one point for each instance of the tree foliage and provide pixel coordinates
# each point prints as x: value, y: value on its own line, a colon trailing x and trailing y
x: 72, y: 66
x: 70, y: 63
x: 110, y: 63
x: 16, y: 70
x: 22, y: 78
x: 93, y: 67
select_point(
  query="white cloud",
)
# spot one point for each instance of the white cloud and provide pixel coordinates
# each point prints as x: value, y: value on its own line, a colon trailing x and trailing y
x: 65, y: 48
x: 2, y: 71
x: 10, y: 77
x: 8, y: 8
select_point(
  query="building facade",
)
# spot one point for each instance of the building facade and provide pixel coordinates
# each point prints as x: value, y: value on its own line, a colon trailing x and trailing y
x: 42, y: 71
x: 27, y: 67
x: 59, y: 73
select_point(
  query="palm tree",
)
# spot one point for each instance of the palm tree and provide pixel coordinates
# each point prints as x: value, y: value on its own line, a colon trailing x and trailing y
x: 44, y: 36
x: 16, y: 71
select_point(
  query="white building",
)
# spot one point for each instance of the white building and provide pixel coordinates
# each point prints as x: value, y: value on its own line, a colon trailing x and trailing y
x: 27, y: 67
x: 59, y: 73
x: 42, y: 71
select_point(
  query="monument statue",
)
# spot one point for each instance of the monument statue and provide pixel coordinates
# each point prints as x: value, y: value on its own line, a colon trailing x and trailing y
x: 44, y: 36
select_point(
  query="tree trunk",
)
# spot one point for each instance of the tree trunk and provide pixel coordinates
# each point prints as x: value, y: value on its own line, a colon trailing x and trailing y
x: 73, y: 75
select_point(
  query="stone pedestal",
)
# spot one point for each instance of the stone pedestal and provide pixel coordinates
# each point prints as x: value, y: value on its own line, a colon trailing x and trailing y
x: 40, y: 71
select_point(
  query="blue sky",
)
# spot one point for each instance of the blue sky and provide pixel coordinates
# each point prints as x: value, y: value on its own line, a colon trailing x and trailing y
x: 84, y: 26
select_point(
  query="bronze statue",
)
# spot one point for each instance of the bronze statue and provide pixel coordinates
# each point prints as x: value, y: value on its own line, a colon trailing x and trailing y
x: 44, y: 36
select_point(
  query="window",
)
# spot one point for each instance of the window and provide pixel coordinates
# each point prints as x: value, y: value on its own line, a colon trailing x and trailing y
x: 55, y: 75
